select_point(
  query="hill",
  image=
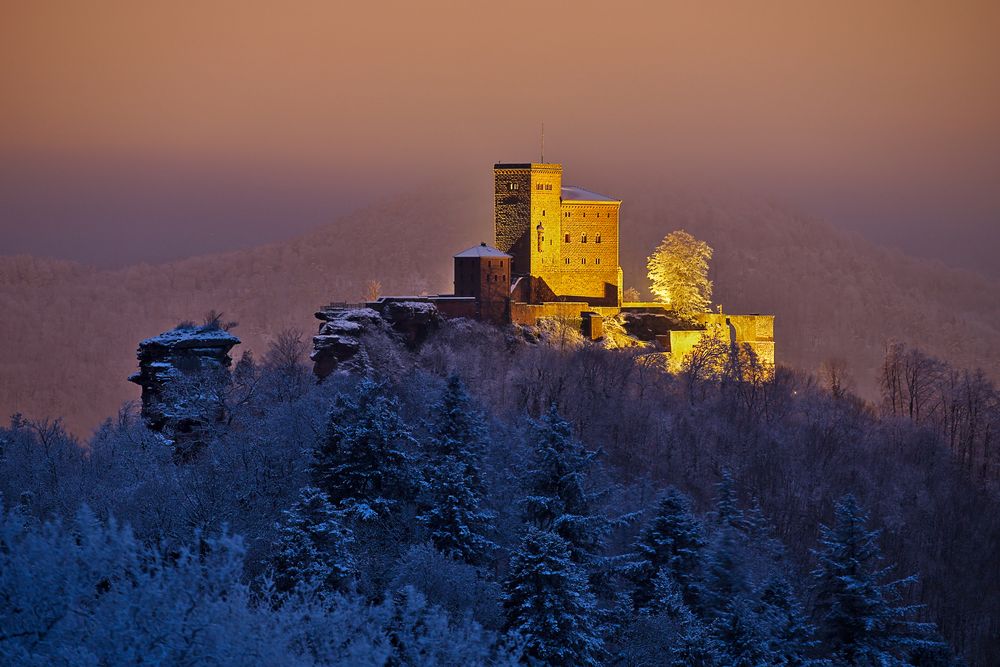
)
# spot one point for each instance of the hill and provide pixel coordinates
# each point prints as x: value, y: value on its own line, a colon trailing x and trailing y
x: 69, y: 332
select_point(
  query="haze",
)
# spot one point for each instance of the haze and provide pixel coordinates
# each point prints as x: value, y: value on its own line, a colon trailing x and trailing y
x: 133, y: 132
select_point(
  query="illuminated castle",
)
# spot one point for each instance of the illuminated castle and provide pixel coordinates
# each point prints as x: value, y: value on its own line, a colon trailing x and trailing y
x: 556, y: 257
x: 563, y: 240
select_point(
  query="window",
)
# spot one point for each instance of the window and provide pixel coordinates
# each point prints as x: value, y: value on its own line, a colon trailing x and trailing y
x: 567, y: 214
x: 543, y: 213
x: 512, y: 185
x: 548, y: 186
x: 583, y: 260
x: 585, y: 214
x: 583, y: 238
x: 567, y: 238
x: 597, y: 238
x: 539, y: 186
x: 597, y: 261
x: 567, y: 260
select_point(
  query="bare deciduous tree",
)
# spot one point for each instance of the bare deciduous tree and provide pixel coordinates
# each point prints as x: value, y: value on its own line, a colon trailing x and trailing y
x: 678, y: 272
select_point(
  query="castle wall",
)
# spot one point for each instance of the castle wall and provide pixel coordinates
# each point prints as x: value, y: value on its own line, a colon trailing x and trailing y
x: 590, y: 251
x: 530, y: 313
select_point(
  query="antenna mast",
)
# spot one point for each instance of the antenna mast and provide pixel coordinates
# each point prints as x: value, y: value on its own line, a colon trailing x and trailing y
x: 543, y: 141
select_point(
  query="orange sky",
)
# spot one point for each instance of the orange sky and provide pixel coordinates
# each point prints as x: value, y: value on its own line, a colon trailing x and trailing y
x: 882, y: 115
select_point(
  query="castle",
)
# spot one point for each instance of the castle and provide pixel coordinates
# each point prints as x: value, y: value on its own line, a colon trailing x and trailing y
x: 555, y: 255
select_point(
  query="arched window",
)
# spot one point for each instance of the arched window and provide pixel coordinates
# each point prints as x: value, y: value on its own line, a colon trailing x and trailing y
x: 583, y: 260
x: 597, y: 238
x: 583, y: 238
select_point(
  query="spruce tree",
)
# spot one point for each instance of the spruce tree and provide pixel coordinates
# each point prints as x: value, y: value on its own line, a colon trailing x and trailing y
x: 727, y: 510
x: 858, y: 612
x: 312, y: 549
x: 363, y: 463
x: 548, y: 604
x: 791, y: 636
x: 452, y: 504
x: 724, y: 575
x: 457, y: 525
x: 558, y: 498
x: 671, y: 545
x: 692, y: 643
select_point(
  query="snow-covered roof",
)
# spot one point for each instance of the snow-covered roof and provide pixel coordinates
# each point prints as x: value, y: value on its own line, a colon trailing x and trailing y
x: 573, y: 193
x: 482, y: 250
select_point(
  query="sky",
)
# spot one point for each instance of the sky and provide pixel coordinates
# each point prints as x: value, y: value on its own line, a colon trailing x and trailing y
x: 150, y: 131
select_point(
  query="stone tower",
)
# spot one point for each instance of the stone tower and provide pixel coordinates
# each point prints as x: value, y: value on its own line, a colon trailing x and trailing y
x: 527, y: 210
x: 563, y: 239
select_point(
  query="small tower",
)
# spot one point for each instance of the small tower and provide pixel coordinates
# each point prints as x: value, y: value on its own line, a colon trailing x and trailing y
x: 483, y: 272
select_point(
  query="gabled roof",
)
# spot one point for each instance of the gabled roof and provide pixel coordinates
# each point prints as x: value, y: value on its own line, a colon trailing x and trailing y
x: 573, y: 193
x: 482, y: 250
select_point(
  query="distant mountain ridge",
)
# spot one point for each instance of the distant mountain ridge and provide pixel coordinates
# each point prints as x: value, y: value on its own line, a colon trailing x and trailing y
x: 69, y: 332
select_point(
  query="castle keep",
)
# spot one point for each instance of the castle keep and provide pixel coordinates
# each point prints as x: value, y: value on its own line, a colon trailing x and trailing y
x: 556, y: 257
x: 563, y: 240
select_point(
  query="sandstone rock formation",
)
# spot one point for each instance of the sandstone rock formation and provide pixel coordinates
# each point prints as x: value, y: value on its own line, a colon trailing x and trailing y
x: 182, y: 372
x: 339, y: 342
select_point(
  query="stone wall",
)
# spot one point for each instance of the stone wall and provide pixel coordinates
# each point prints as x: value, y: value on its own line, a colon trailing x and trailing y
x: 590, y: 251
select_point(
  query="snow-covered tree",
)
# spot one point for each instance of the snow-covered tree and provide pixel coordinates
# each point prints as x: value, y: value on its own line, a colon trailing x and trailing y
x: 548, y: 603
x: 859, y: 614
x: 452, y: 503
x: 790, y: 636
x: 678, y: 272
x: 670, y: 544
x: 457, y: 429
x: 558, y: 497
x: 724, y: 575
x: 727, y: 511
x: 312, y: 549
x: 363, y: 462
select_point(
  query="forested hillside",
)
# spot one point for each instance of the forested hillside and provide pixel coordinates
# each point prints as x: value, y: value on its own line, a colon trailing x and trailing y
x: 68, y: 333
x: 488, y: 500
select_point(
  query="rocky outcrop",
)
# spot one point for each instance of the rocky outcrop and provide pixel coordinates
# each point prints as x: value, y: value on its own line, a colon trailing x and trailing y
x: 181, y: 372
x: 339, y: 342
x: 415, y: 321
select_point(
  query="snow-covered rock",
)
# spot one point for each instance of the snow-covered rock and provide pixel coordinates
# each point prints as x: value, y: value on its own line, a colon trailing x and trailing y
x: 177, y: 372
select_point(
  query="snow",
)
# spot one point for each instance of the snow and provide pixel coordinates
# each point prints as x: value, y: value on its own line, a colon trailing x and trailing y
x: 574, y: 193
x: 177, y: 337
x: 482, y: 250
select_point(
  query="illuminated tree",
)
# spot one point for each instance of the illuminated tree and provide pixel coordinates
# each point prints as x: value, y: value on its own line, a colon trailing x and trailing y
x: 678, y: 271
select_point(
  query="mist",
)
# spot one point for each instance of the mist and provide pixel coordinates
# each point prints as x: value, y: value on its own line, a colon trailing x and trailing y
x: 138, y: 133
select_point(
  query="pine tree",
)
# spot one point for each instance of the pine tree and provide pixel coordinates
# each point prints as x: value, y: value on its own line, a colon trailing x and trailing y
x: 313, y: 546
x: 362, y: 463
x: 451, y: 509
x: 558, y: 498
x: 860, y: 618
x: 670, y: 544
x: 548, y: 603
